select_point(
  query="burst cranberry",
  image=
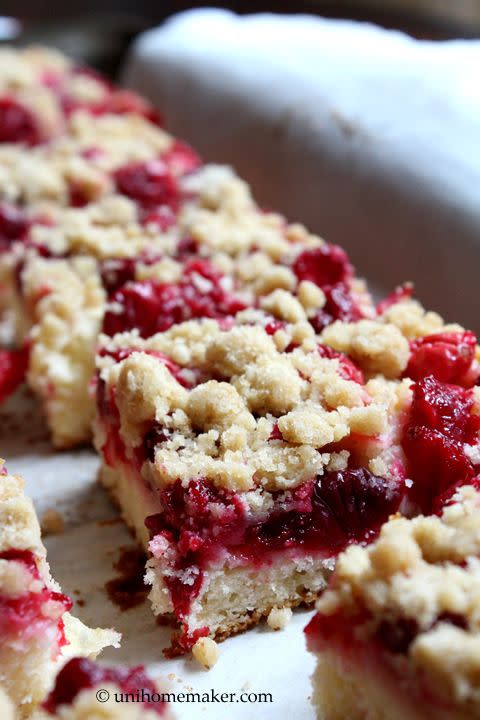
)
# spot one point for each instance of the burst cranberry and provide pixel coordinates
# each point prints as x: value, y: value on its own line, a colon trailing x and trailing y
x: 402, y: 292
x: 446, y: 356
x: 397, y: 635
x: 17, y: 124
x: 121, y: 102
x: 339, y: 305
x: 153, y: 307
x: 14, y: 226
x: 440, y: 422
x: 115, y: 272
x: 358, y: 501
x: 83, y: 674
x: 186, y: 247
x: 446, y: 498
x: 153, y: 437
x: 13, y: 367
x: 347, y: 368
x: 181, y: 158
x: 151, y: 184
x: 324, y: 266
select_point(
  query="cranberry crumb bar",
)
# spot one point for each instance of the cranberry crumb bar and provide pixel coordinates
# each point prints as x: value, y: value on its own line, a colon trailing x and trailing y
x: 397, y: 634
x: 37, y: 631
x: 125, y: 694
x: 246, y: 455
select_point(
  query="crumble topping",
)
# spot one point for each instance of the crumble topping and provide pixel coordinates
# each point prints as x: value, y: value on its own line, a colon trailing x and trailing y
x: 376, y: 348
x: 221, y: 428
x: 425, y: 572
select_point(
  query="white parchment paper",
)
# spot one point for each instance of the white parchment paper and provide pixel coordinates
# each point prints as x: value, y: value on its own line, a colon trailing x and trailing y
x: 81, y: 559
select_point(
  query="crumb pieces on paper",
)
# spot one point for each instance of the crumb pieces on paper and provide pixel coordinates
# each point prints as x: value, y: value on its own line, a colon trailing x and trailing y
x: 206, y: 652
x: 279, y: 618
x: 52, y: 522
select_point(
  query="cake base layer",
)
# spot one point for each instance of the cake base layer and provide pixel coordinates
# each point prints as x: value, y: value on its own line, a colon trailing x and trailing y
x: 345, y: 690
x: 231, y: 598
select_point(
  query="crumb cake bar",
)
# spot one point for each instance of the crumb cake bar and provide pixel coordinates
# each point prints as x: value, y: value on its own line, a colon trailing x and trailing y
x: 37, y: 631
x: 245, y: 457
x: 397, y: 634
x: 74, y: 696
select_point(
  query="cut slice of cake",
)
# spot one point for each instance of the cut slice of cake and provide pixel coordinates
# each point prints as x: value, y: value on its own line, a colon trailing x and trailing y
x: 37, y: 631
x: 84, y: 690
x: 397, y: 634
x: 245, y: 457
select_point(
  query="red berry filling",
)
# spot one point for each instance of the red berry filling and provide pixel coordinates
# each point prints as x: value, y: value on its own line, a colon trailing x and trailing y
x: 13, y: 368
x: 321, y: 516
x: 347, y: 368
x: 440, y: 422
x: 14, y: 226
x: 402, y: 292
x: 325, y: 266
x: 328, y: 267
x: 24, y: 614
x: 447, y: 356
x: 17, y: 123
x: 154, y: 307
x: 83, y: 674
x: 151, y: 184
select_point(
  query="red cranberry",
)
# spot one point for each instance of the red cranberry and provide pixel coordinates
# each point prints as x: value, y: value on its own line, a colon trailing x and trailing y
x: 440, y: 422
x: 13, y: 368
x: 115, y: 272
x: 347, y: 368
x: 17, y: 123
x: 154, y: 307
x: 181, y: 158
x: 151, y: 184
x: 325, y: 265
x: 122, y: 102
x: 83, y: 674
x: 446, y: 356
x: 402, y: 292
x: 153, y: 437
x: 356, y: 500
x: 14, y: 226
x: 186, y: 247
x: 397, y: 635
x: 339, y: 305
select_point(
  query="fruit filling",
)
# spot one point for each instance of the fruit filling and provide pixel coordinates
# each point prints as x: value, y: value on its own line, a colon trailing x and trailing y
x: 328, y: 267
x: 13, y: 369
x: 202, y: 525
x: 154, y: 184
x: 83, y: 674
x: 17, y: 123
x: 440, y: 424
x: 154, y: 307
x: 449, y: 357
x: 14, y: 226
x: 30, y: 613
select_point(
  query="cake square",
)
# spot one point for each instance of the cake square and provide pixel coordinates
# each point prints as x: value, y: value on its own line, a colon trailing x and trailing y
x: 38, y: 632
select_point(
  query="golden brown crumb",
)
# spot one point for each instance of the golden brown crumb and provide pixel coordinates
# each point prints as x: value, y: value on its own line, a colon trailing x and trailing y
x: 52, y: 522
x: 206, y: 652
x: 279, y: 618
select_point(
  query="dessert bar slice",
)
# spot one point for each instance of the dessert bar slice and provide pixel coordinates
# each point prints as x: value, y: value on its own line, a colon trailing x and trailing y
x: 397, y: 634
x: 83, y: 689
x: 245, y: 457
x: 37, y: 631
